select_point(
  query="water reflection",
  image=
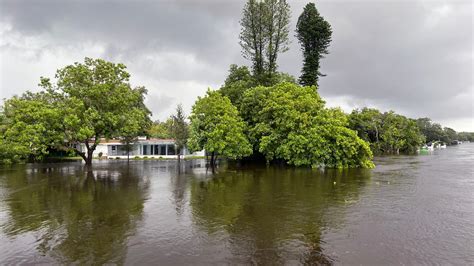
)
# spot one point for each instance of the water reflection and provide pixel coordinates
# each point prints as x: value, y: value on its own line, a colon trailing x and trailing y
x: 77, y: 215
x: 274, y: 215
x: 408, y: 210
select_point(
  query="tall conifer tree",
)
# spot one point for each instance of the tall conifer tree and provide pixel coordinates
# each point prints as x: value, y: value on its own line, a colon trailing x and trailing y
x: 314, y: 34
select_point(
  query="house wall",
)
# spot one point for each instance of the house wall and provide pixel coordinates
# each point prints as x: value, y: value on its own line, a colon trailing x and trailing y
x: 143, y: 148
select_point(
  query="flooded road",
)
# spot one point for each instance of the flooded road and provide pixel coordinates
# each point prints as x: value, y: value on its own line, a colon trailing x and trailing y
x: 408, y: 210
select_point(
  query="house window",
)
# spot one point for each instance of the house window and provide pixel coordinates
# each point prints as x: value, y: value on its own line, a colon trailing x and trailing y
x: 171, y: 149
x: 114, y: 147
x: 157, y: 149
x: 145, y: 150
x: 162, y: 149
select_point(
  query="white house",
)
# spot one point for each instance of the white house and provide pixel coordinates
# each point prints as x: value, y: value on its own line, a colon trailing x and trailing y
x: 143, y: 147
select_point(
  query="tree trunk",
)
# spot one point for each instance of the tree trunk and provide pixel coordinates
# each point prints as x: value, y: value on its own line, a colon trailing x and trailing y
x: 376, y: 133
x: 128, y: 155
x: 88, y: 159
x: 212, y: 159
x: 179, y: 156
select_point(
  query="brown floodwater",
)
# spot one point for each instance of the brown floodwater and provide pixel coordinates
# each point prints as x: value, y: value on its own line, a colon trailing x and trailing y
x: 408, y: 210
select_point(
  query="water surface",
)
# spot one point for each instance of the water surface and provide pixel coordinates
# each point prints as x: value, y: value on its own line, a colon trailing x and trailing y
x: 408, y: 210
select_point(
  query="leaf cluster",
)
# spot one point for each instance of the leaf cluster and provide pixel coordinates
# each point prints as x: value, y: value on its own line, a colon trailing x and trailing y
x: 289, y: 122
x: 217, y: 127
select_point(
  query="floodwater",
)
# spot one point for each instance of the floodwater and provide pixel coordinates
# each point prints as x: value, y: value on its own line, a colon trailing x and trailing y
x: 408, y: 210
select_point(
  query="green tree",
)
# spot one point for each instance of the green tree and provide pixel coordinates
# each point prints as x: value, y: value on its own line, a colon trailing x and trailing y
x: 432, y: 131
x: 386, y: 132
x: 100, y: 102
x: 240, y: 80
x: 217, y: 127
x: 290, y: 123
x: 134, y: 124
x: 314, y: 34
x: 466, y: 136
x: 449, y: 135
x: 179, y: 130
x: 237, y: 82
x: 160, y: 130
x: 264, y: 35
x: 30, y: 125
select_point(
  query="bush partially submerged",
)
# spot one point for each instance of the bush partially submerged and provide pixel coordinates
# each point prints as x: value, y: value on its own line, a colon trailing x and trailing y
x: 289, y: 122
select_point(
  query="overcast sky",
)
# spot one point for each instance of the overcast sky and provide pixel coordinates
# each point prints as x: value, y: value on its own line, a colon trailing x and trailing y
x: 414, y: 57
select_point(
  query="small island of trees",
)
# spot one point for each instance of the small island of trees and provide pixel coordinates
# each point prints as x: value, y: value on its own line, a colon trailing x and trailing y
x: 259, y: 113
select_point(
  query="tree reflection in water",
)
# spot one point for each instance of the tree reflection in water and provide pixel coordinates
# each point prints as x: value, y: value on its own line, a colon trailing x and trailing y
x: 274, y: 214
x: 77, y: 214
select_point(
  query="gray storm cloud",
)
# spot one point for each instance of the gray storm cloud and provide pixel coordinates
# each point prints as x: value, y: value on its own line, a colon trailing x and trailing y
x: 414, y: 57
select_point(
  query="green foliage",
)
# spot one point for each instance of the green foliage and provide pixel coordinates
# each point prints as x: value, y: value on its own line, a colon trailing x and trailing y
x: 179, y: 129
x: 289, y: 122
x: 432, y: 131
x: 449, y: 135
x: 264, y: 34
x: 466, y: 136
x: 435, y: 132
x: 314, y: 34
x: 30, y: 125
x: 104, y: 104
x: 160, y: 130
x: 387, y: 132
x: 240, y: 80
x: 217, y: 127
x: 237, y: 82
x: 89, y: 101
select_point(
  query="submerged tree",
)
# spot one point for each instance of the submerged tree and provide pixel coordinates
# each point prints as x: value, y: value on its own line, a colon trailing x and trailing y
x: 89, y: 101
x: 217, y: 127
x: 179, y: 130
x: 133, y: 124
x: 386, y: 132
x: 314, y: 35
x: 264, y: 35
x: 290, y: 123
x: 30, y: 124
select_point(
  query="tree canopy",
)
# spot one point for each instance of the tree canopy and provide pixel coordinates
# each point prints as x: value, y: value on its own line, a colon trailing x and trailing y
x: 89, y: 101
x: 217, y: 127
x: 179, y: 129
x: 314, y: 34
x: 386, y: 132
x: 264, y: 35
x: 290, y: 123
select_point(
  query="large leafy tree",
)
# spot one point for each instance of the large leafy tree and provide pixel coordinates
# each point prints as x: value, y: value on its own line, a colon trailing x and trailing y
x: 30, y: 124
x: 217, y: 127
x: 240, y: 80
x: 237, y: 82
x: 386, y: 132
x: 449, y: 135
x: 290, y: 123
x: 264, y: 35
x: 314, y: 34
x: 432, y: 131
x: 179, y: 130
x: 89, y: 101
